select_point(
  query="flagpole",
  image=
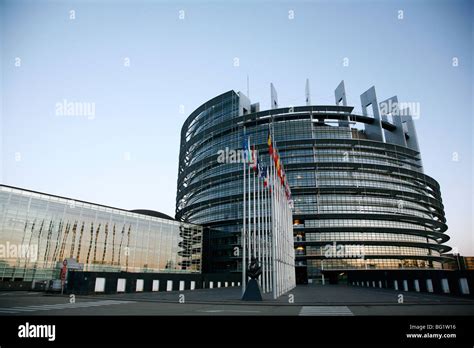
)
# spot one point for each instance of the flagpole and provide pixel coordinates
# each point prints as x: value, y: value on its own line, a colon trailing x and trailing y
x: 264, y: 233
x: 274, y: 263
x: 277, y: 234
x: 269, y: 242
x: 259, y: 210
x: 282, y: 236
x: 277, y: 268
x: 278, y: 241
x: 287, y: 241
x: 243, y: 235
x: 265, y: 238
x: 249, y: 246
x: 269, y: 250
x: 290, y: 226
x: 267, y: 287
x: 254, y: 203
x: 289, y: 233
x: 285, y: 236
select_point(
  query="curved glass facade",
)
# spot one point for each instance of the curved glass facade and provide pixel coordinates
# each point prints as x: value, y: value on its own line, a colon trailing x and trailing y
x: 350, y: 190
x: 38, y: 231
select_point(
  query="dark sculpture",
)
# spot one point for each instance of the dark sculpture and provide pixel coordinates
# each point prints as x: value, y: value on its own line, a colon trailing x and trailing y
x: 255, y: 270
x: 252, y: 291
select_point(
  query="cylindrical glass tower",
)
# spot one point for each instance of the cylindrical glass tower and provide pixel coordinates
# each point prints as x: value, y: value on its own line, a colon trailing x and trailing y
x: 361, y: 198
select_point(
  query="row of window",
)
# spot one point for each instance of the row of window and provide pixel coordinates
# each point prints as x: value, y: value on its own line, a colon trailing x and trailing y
x: 314, y: 267
x: 366, y: 236
x: 353, y: 250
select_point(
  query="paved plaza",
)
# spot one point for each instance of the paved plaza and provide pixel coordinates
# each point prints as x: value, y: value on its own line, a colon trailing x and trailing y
x: 309, y: 300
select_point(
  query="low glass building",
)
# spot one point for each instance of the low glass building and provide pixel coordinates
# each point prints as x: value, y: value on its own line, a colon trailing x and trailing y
x: 39, y: 231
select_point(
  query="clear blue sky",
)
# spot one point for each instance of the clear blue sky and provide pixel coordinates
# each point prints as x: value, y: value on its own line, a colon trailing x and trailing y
x: 177, y: 62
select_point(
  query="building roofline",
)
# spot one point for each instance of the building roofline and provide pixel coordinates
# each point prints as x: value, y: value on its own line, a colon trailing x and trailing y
x: 135, y: 211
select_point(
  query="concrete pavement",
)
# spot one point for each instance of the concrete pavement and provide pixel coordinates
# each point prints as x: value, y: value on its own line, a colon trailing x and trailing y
x: 311, y: 300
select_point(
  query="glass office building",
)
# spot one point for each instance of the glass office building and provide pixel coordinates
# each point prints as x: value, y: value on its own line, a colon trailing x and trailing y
x: 38, y: 231
x: 361, y: 197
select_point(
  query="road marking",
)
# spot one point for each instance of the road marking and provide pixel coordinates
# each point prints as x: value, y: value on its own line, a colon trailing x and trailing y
x: 325, y: 311
x: 227, y: 310
x: 61, y: 306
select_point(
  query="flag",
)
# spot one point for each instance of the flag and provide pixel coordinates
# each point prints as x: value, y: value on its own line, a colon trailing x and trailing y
x: 245, y: 142
x: 253, y: 160
x: 261, y: 170
x: 265, y: 180
x: 269, y: 143
x: 249, y: 152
